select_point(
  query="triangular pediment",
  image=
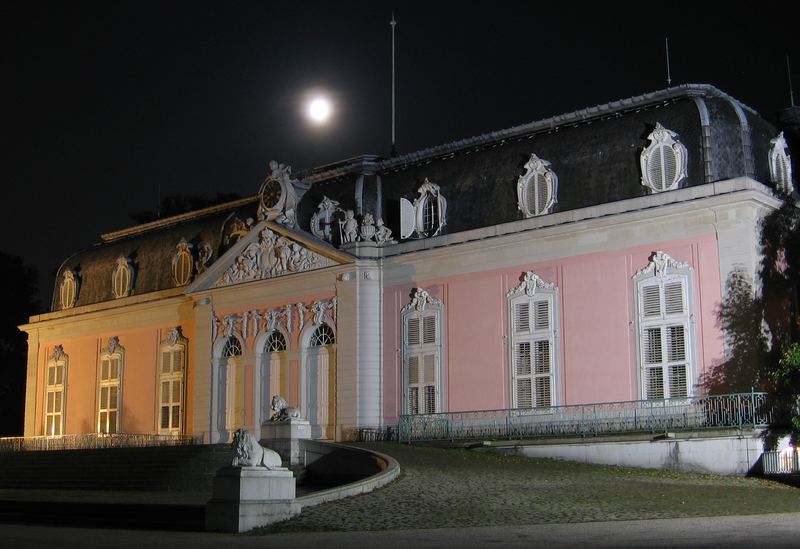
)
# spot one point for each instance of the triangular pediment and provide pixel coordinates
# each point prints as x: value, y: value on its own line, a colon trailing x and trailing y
x: 269, y: 250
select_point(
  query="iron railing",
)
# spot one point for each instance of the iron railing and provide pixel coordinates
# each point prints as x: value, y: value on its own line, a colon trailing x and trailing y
x: 781, y: 462
x: 743, y: 410
x: 92, y: 441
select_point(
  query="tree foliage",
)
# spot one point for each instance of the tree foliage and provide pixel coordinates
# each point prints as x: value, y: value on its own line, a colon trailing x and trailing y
x: 18, y: 290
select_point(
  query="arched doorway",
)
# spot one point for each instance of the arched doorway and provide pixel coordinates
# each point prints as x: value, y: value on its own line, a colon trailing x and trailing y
x: 234, y: 385
x: 318, y: 380
x: 271, y: 363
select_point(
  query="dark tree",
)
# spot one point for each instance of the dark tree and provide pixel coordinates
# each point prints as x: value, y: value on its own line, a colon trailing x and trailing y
x: 18, y: 290
x: 184, y: 203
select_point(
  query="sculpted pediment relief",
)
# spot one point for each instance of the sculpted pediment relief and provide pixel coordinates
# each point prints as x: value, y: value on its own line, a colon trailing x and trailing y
x: 270, y: 256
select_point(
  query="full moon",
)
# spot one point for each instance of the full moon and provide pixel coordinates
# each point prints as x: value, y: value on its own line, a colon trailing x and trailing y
x: 319, y: 110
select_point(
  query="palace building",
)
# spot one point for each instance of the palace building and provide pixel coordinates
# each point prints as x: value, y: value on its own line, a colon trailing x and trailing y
x: 572, y: 260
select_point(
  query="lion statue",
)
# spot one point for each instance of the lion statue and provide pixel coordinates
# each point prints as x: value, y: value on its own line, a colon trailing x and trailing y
x: 249, y: 453
x: 281, y: 409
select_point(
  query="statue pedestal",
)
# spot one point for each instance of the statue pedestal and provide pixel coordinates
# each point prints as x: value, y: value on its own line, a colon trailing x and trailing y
x: 244, y: 498
x: 284, y: 437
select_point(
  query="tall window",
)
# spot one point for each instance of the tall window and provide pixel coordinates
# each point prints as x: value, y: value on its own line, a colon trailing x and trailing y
x: 110, y: 387
x: 272, y: 359
x: 172, y: 375
x: 234, y: 384
x: 532, y: 308
x: 537, y: 188
x: 56, y: 393
x: 422, y: 354
x: 663, y: 161
x: 319, y: 385
x: 665, y: 327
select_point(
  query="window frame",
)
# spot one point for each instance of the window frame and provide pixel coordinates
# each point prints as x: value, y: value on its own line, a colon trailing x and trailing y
x: 662, y: 271
x: 113, y: 351
x: 58, y: 360
x: 661, y: 139
x: 779, y: 154
x: 174, y: 342
x: 122, y: 278
x: 423, y: 306
x: 537, y: 172
x: 533, y: 290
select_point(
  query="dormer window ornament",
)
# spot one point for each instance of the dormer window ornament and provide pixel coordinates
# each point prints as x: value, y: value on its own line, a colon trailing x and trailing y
x: 68, y: 290
x: 537, y: 188
x: 182, y: 263
x: 122, y: 278
x: 328, y: 215
x: 204, y: 254
x: 663, y: 161
x: 426, y: 216
x: 277, y: 196
x: 780, y: 164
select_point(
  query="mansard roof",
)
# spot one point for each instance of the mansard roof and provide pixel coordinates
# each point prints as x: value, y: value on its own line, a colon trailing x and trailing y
x: 594, y: 152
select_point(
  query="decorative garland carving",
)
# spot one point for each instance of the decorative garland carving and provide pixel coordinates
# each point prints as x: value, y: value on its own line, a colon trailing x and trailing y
x: 174, y: 336
x: 530, y: 281
x: 58, y: 353
x: 113, y: 346
x: 420, y: 300
x: 659, y: 262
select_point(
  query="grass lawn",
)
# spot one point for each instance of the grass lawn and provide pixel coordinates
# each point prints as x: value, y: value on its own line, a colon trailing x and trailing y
x: 457, y: 488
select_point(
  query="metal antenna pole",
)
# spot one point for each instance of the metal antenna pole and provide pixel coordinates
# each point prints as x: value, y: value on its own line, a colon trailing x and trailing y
x: 393, y: 23
x: 789, y: 72
x: 666, y: 47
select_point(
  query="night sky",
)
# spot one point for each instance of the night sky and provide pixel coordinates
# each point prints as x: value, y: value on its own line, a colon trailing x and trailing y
x: 107, y: 106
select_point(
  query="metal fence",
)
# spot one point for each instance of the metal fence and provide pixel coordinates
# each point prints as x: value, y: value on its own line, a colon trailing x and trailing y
x: 93, y: 440
x: 742, y: 410
x: 781, y: 462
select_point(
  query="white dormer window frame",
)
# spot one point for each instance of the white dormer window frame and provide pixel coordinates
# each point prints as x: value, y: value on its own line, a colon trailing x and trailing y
x: 422, y: 323
x: 663, y: 161
x: 122, y: 278
x: 427, y: 216
x: 780, y: 164
x: 533, y: 343
x: 68, y: 291
x: 182, y: 263
x: 665, y: 327
x: 537, y: 188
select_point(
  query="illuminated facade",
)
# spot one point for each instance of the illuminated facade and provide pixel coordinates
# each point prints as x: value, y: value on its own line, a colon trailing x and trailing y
x: 572, y: 260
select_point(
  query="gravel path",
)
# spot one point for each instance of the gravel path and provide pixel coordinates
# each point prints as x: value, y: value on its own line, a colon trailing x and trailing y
x: 441, y: 488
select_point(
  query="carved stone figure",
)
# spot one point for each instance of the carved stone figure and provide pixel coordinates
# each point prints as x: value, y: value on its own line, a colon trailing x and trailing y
x: 249, y: 453
x: 383, y: 234
x: 281, y: 409
x: 349, y: 227
x: 204, y: 253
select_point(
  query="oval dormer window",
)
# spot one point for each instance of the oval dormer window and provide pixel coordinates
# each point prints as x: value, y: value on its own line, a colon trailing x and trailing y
x: 122, y: 278
x: 663, y: 161
x: 537, y: 188
x: 68, y: 290
x: 182, y: 263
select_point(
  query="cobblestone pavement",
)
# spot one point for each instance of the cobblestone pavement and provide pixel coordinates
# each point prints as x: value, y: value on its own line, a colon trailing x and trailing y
x: 453, y: 488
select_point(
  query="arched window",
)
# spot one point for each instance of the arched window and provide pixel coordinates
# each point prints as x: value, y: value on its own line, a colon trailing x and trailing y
x: 56, y: 393
x: 275, y: 342
x: 234, y: 384
x: 69, y: 290
x: 110, y: 387
x: 663, y: 161
x: 533, y: 348
x: 122, y: 278
x: 172, y: 384
x: 323, y: 335
x: 665, y: 325
x: 780, y: 164
x: 537, y: 188
x: 422, y: 354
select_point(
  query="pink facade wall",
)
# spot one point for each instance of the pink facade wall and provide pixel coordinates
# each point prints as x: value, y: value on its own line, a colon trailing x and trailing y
x: 596, y: 326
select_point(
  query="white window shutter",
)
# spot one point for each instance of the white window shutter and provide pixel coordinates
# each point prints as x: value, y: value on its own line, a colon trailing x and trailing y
x: 650, y: 299
x: 413, y: 334
x: 429, y: 329
x: 522, y: 317
x: 673, y: 297
x: 408, y: 218
x: 542, y: 314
